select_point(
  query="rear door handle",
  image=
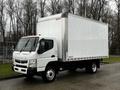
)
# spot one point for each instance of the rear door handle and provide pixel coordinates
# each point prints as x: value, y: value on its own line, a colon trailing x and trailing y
x: 53, y: 56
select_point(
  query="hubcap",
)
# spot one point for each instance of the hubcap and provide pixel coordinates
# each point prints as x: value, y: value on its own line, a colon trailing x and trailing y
x: 94, y: 67
x: 50, y: 74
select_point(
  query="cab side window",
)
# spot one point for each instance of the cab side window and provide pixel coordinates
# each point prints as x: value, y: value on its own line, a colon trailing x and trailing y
x: 48, y: 44
x: 45, y: 45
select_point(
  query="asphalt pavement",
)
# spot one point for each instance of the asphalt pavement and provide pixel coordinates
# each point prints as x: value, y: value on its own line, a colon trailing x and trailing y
x: 107, y: 78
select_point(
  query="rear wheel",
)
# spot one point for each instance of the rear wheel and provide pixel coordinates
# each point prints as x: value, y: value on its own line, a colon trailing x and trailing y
x: 92, y: 68
x: 49, y: 75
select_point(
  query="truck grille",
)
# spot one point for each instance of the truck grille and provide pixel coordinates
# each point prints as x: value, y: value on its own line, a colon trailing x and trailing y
x: 21, y: 61
x: 21, y: 66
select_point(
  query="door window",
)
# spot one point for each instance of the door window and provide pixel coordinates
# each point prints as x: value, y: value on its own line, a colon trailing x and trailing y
x: 45, y: 45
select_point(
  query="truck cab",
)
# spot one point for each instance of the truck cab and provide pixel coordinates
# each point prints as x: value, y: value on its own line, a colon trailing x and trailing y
x: 33, y: 53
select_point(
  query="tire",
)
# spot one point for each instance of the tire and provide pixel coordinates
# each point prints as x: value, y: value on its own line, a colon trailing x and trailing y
x: 92, y: 68
x: 49, y: 75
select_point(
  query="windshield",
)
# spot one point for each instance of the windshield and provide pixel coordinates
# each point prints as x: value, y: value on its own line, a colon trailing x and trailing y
x: 27, y: 44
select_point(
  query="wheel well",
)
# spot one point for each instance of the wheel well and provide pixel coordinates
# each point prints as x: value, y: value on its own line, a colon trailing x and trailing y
x: 97, y: 62
x: 53, y: 64
x: 89, y: 62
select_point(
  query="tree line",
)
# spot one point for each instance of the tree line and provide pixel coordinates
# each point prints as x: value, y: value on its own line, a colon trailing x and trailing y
x: 19, y: 17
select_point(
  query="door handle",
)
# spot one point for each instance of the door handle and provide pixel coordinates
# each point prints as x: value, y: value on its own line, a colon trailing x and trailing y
x: 53, y: 56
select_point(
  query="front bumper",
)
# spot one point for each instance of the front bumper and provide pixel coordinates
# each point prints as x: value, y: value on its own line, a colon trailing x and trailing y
x: 28, y: 70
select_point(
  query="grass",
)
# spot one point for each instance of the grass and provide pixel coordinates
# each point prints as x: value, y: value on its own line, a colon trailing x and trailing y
x: 6, y: 71
x: 112, y: 59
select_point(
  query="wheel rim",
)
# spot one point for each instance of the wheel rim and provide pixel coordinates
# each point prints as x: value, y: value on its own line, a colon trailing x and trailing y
x: 94, y: 67
x: 50, y: 74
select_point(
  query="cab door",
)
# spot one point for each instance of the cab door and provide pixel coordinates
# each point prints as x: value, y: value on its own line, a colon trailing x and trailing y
x: 47, y: 52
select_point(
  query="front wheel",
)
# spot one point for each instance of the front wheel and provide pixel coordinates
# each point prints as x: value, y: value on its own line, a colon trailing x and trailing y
x: 49, y: 75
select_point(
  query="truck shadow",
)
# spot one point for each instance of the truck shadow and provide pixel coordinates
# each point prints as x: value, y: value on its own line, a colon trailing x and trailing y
x: 61, y: 77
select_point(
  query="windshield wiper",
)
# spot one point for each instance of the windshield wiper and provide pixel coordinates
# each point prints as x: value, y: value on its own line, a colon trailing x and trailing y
x: 24, y: 46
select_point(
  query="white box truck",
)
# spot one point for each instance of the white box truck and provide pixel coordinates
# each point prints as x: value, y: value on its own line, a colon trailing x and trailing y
x: 63, y: 42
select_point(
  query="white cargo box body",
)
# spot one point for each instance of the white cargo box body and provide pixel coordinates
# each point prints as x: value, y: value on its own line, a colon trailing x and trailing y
x: 87, y: 38
x: 78, y: 38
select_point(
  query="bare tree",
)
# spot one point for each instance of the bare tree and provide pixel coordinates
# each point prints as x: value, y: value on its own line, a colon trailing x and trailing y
x: 54, y: 6
x: 10, y: 12
x: 116, y: 38
x: 42, y: 7
x: 82, y: 7
x: 118, y: 14
x: 29, y: 16
x: 70, y: 6
x: 97, y: 8
x: 14, y: 12
x: 3, y: 19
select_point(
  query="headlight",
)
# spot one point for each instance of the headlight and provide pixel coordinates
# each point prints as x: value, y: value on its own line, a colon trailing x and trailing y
x: 33, y: 63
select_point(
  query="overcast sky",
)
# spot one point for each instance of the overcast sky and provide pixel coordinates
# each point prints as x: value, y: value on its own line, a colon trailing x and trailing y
x: 112, y: 5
